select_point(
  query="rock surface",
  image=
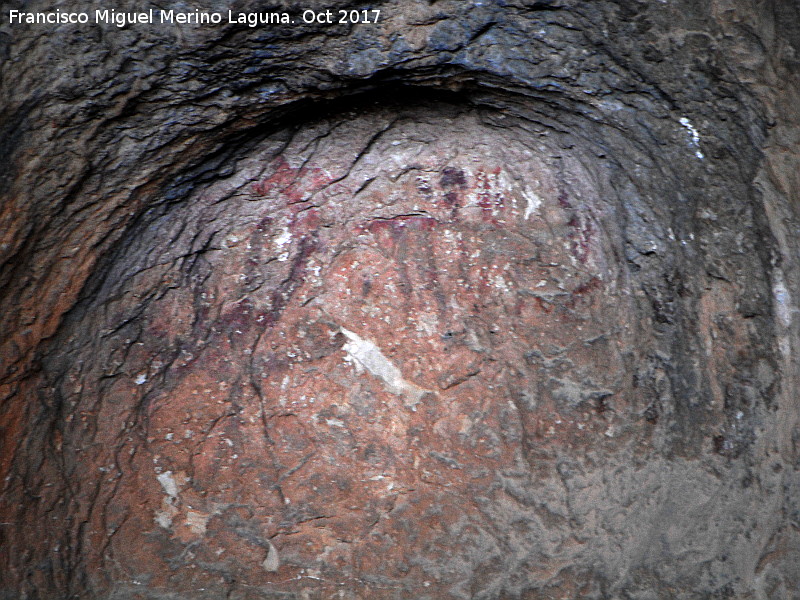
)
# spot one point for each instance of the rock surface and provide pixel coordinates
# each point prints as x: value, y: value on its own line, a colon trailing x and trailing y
x: 486, y: 300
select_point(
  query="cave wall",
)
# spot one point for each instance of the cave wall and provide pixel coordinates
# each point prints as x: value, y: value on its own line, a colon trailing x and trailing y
x: 486, y: 300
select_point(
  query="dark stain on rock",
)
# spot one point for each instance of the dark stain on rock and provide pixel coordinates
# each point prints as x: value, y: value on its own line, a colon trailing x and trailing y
x: 452, y: 177
x: 452, y: 199
x: 651, y: 414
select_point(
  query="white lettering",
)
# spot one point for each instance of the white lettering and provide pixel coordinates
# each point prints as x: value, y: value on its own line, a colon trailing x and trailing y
x: 256, y: 19
x: 190, y: 18
x: 311, y: 16
x: 50, y: 18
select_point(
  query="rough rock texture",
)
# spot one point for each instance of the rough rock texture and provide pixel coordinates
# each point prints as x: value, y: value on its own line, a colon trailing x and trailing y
x: 488, y: 300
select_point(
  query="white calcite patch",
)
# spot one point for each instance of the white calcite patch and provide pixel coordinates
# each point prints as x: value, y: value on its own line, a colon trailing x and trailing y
x: 695, y: 136
x: 169, y: 484
x: 197, y: 522
x: 281, y: 243
x: 168, y: 510
x: 533, y: 203
x: 364, y: 354
x: 272, y: 562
